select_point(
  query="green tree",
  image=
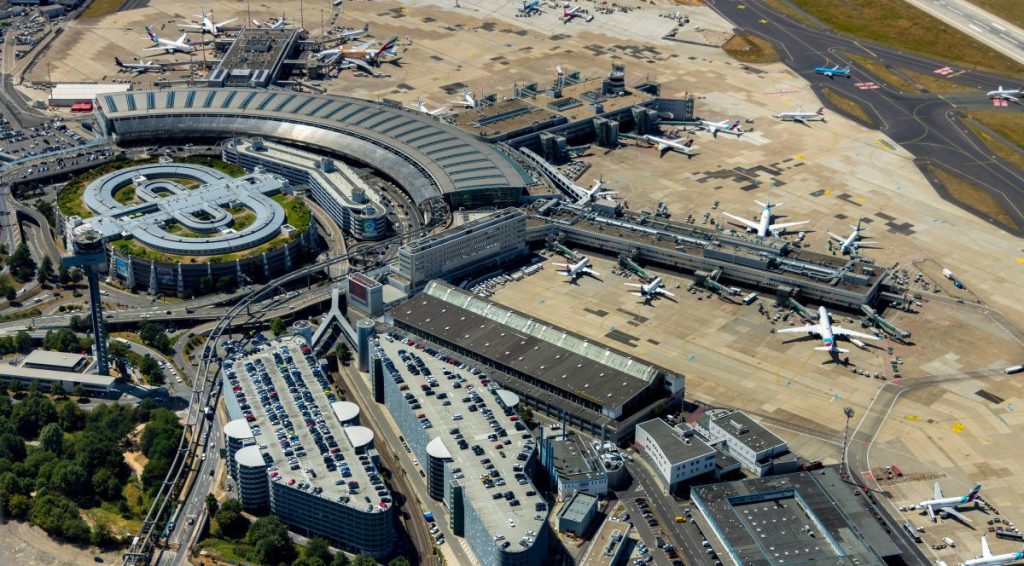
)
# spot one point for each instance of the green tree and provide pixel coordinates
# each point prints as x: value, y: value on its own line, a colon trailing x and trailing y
x: 80, y: 323
x: 21, y: 264
x: 12, y: 447
x: 63, y: 275
x: 70, y: 416
x: 227, y: 284
x: 340, y: 559
x: 23, y: 342
x: 308, y: 561
x: 105, y: 485
x: 101, y: 535
x: 211, y: 504
x: 151, y: 369
x: 59, y: 517
x: 45, y: 272
x: 64, y: 340
x: 269, y: 539
x: 32, y: 414
x: 364, y: 560
x: 399, y: 561
x: 46, y: 209
x: 344, y: 354
x: 230, y: 521
x: 10, y: 294
x: 70, y: 480
x: 75, y: 275
x: 319, y: 549
x: 78, y: 391
x: 205, y: 285
x: 51, y: 439
x: 277, y: 326
x: 154, y: 334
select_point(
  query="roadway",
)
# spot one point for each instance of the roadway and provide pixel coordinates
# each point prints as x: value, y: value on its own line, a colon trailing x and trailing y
x: 980, y: 24
x: 926, y: 125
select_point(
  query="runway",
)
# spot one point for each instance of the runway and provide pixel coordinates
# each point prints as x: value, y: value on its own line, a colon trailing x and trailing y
x: 926, y: 125
x: 987, y: 28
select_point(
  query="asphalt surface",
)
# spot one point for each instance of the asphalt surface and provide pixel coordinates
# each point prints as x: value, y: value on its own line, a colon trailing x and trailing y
x: 926, y: 125
x: 991, y: 30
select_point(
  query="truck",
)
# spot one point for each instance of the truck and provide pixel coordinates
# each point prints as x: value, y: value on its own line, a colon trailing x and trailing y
x: 1014, y: 369
x: 948, y: 274
x: 914, y: 535
x: 749, y: 299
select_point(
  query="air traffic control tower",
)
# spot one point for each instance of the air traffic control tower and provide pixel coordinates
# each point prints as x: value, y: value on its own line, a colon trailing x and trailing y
x: 88, y: 254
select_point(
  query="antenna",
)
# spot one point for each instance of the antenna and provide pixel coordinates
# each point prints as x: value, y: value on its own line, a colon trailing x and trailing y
x: 844, y: 470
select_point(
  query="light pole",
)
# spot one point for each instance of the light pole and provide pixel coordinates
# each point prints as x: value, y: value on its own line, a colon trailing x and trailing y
x: 845, y: 468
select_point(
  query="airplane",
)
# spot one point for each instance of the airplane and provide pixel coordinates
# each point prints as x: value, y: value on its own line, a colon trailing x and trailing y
x: 422, y: 107
x: 351, y: 34
x: 801, y: 116
x: 850, y: 243
x: 363, y: 56
x: 530, y: 8
x: 568, y: 14
x: 594, y: 193
x: 181, y: 45
x: 765, y: 226
x: 650, y: 291
x: 276, y: 23
x: 666, y: 145
x: 1010, y: 94
x: 138, y: 68
x: 833, y: 72
x: 336, y: 2
x: 947, y: 505
x: 207, y: 25
x: 987, y: 559
x: 576, y: 270
x: 467, y: 100
x: 724, y: 126
x: 827, y: 332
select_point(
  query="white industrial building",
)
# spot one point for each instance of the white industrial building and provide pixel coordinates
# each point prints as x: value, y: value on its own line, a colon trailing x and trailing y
x: 757, y: 449
x: 66, y: 94
x: 677, y: 458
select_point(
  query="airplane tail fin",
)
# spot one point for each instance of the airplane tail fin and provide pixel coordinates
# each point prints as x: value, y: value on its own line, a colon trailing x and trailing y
x: 152, y: 36
x: 821, y: 111
x: 388, y: 48
x: 974, y: 493
x: 366, y: 27
x: 117, y: 61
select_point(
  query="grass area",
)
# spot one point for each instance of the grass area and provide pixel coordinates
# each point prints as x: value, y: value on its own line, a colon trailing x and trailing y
x: 906, y: 80
x: 900, y: 25
x: 749, y: 48
x: 1004, y: 124
x: 227, y: 550
x: 222, y: 166
x: 126, y: 195
x: 99, y: 8
x: 967, y: 194
x: 1009, y: 10
x: 297, y: 211
x: 69, y: 200
x: 784, y: 7
x: 242, y: 217
x: 847, y: 105
x: 179, y: 230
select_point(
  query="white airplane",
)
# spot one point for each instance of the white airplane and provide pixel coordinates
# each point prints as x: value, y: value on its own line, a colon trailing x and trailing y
x: 666, y: 145
x: 568, y: 13
x: 850, y: 243
x: 827, y: 332
x: 801, y: 116
x: 276, y: 23
x: 467, y: 100
x: 207, y: 25
x: 724, y: 126
x: 1010, y: 94
x: 650, y: 291
x: 364, y: 56
x: 349, y: 35
x: 336, y: 2
x: 594, y: 193
x: 943, y: 506
x: 138, y: 68
x: 987, y: 559
x: 422, y: 107
x: 576, y: 270
x: 180, y: 45
x: 765, y: 226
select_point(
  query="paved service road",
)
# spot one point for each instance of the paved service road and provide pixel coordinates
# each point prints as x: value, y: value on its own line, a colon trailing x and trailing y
x: 926, y: 125
x: 984, y: 26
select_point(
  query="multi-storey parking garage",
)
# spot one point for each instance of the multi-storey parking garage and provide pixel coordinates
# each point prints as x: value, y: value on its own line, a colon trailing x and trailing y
x: 426, y: 157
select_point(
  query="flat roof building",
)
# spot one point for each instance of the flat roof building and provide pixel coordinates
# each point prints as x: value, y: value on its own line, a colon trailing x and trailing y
x: 255, y: 58
x: 20, y: 376
x: 66, y: 94
x: 599, y: 386
x: 474, y: 247
x: 757, y: 449
x: 803, y: 517
x: 678, y: 459
x: 464, y: 429
x: 577, y: 514
x: 572, y: 465
x: 57, y: 361
x: 327, y: 483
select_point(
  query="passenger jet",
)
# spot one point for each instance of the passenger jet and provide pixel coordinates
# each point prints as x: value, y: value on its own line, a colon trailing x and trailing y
x: 765, y: 226
x: 576, y: 270
x: 207, y: 25
x: 138, y: 68
x: 943, y: 506
x: 833, y: 72
x: 827, y: 332
x: 181, y: 45
x: 650, y: 291
x: 594, y: 193
x: 666, y: 145
x: 726, y: 127
x: 801, y: 116
x: 1010, y: 94
x: 987, y: 559
x: 852, y: 242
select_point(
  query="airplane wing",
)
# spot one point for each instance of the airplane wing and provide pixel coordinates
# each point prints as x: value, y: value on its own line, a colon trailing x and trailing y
x: 806, y: 329
x: 837, y: 237
x: 190, y: 26
x: 840, y: 331
x: 985, y: 552
x: 662, y: 291
x: 156, y: 48
x: 938, y: 491
x: 633, y: 285
x: 955, y: 513
x: 775, y: 227
x: 742, y: 220
x: 361, y: 64
x: 224, y: 23
x: 589, y: 271
x: 931, y: 512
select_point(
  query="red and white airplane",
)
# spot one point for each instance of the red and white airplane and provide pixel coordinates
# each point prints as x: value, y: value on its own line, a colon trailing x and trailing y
x: 1008, y: 94
x: 571, y: 12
